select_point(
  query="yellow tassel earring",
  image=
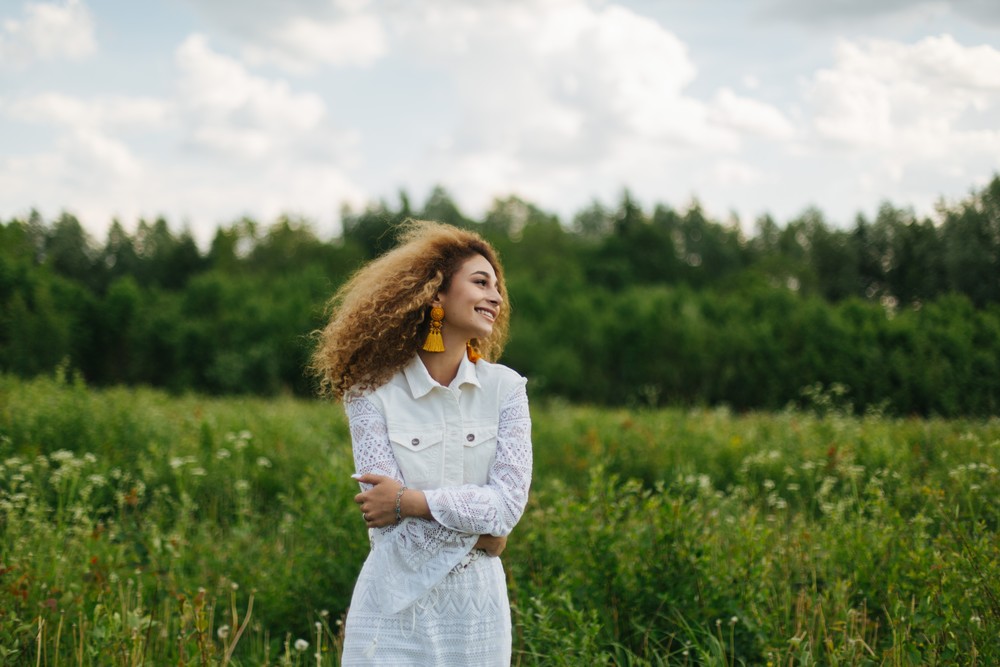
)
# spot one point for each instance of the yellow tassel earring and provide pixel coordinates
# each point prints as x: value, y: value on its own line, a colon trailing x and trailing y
x: 472, y: 353
x: 434, y: 342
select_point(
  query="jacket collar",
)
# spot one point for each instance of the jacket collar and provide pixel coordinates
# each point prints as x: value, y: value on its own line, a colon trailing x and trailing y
x: 421, y: 382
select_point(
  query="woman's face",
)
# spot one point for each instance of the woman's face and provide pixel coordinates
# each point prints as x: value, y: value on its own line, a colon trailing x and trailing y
x: 472, y: 302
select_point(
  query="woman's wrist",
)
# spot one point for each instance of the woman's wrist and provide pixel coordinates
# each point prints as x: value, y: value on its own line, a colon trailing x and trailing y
x: 413, y: 503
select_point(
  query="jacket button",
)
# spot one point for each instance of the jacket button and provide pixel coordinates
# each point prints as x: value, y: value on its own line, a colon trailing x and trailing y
x: 470, y: 437
x: 415, y: 442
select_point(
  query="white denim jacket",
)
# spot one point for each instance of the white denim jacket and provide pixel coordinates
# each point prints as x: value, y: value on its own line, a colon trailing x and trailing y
x: 467, y: 446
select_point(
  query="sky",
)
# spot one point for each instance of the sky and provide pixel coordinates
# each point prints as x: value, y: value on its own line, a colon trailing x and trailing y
x: 204, y: 111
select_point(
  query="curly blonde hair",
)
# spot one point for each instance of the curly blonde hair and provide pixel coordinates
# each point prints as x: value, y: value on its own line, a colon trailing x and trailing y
x: 379, y: 318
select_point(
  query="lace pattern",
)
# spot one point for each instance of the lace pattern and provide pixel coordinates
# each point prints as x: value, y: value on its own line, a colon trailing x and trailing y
x: 414, y: 554
x: 495, y: 508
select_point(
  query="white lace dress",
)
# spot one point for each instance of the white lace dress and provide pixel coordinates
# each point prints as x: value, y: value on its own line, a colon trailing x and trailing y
x: 424, y: 595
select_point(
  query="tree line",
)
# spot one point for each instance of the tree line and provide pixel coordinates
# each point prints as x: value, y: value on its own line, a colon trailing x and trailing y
x: 620, y: 305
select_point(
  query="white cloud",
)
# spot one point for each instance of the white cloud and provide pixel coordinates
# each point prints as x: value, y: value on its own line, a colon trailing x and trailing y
x: 301, y: 44
x: 47, y: 31
x: 260, y: 149
x: 915, y: 101
x: 750, y: 115
x: 302, y: 35
x: 109, y: 111
x: 234, y: 113
x: 567, y: 96
x: 735, y: 172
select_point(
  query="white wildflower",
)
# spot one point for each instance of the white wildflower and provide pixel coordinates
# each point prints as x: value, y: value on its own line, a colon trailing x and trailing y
x: 301, y: 645
x: 222, y: 454
x: 263, y: 462
x: 223, y: 632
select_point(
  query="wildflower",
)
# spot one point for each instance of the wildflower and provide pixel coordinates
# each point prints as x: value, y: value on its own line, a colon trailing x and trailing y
x: 223, y: 632
x: 324, y: 613
x: 198, y: 472
x: 263, y: 462
x: 241, y: 485
x: 734, y: 620
x: 301, y: 645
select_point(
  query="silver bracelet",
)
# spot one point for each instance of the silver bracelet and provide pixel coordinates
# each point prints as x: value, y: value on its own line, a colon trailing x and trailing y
x: 399, y: 497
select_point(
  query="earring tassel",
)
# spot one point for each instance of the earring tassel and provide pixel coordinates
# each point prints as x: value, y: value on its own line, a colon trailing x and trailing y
x: 434, y: 342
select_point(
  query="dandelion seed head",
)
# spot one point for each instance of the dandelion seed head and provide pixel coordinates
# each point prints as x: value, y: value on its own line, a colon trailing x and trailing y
x: 301, y: 645
x: 223, y: 632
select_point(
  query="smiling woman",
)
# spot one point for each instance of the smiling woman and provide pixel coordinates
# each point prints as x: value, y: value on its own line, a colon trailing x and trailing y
x: 442, y: 448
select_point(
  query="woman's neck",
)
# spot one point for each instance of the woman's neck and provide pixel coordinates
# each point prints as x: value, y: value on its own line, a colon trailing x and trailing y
x: 443, y: 366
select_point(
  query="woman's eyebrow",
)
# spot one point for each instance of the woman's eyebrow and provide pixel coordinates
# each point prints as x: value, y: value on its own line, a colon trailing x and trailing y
x: 482, y: 273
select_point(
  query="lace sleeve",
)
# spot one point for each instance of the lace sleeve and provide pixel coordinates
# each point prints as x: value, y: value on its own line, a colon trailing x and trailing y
x: 495, y: 508
x: 414, y: 554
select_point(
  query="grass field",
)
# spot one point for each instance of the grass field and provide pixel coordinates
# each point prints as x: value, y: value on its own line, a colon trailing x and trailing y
x: 138, y: 528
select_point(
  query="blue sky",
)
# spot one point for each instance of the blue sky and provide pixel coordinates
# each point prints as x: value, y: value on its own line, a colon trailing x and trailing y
x: 206, y: 111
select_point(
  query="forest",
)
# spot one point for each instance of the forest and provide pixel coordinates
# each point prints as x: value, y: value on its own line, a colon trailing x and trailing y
x: 621, y: 305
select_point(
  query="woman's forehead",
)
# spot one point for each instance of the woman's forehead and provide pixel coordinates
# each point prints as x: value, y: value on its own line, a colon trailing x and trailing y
x: 477, y: 264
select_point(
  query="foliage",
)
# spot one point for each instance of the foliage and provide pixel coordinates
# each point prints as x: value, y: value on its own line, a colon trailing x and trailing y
x: 141, y: 529
x: 621, y: 306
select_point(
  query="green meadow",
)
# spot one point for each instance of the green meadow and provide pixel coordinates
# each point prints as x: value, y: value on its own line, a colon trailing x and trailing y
x: 142, y: 528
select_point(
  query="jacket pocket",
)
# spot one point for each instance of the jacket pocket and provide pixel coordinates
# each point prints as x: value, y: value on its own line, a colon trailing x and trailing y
x: 418, y: 451
x: 480, y: 451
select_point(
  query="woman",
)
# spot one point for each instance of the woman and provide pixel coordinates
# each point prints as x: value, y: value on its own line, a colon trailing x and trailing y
x: 442, y: 448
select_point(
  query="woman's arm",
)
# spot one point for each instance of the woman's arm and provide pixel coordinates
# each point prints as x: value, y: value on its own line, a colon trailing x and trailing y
x: 493, y: 509
x: 417, y: 539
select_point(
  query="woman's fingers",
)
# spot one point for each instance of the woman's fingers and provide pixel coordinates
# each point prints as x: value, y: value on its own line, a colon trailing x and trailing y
x: 369, y: 478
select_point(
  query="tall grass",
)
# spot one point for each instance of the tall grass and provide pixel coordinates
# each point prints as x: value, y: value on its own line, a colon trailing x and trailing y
x: 138, y: 528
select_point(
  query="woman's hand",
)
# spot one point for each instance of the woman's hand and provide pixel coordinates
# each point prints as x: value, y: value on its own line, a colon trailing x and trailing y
x: 492, y: 545
x: 378, y: 504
